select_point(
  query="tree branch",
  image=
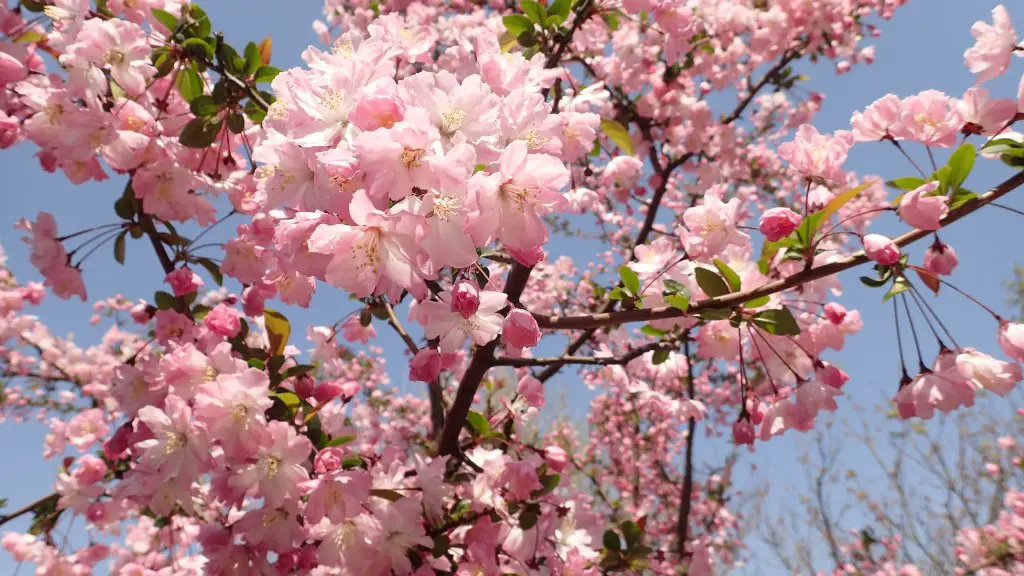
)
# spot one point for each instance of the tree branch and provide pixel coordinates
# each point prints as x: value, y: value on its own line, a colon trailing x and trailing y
x: 587, y: 360
x: 686, y: 490
x: 5, y: 518
x: 800, y: 278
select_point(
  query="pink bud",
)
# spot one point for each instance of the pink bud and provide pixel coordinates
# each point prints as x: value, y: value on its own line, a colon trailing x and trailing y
x: 921, y: 209
x: 1011, y: 340
x: 223, y: 321
x: 906, y: 409
x: 115, y: 446
x: 756, y: 409
x: 835, y: 312
x: 940, y: 259
x: 184, y: 281
x: 520, y: 330
x: 327, y: 391
x: 555, y: 458
x: 307, y: 559
x: 532, y: 390
x: 141, y: 313
x: 9, y: 130
x: 777, y: 223
x: 743, y: 432
x: 304, y: 386
x: 527, y: 257
x: 465, y: 299
x: 90, y: 469
x: 832, y: 375
x: 378, y: 105
x: 328, y: 459
x: 881, y: 249
x: 425, y: 366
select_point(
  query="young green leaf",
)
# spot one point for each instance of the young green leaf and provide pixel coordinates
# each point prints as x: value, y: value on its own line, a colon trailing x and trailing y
x: 729, y: 274
x: 165, y: 18
x: 651, y: 331
x: 906, y: 184
x: 189, y: 84
x: 611, y: 19
x: 779, y: 322
x: 711, y: 283
x: 630, y: 280
x: 535, y: 11
x: 841, y: 199
x: 477, y: 423
x: 678, y: 301
x: 204, y: 106
x: 199, y: 133
x: 165, y: 301
x: 960, y: 164
x: 899, y: 286
x: 266, y: 73
x: 558, y: 12
x: 119, y: 247
x: 278, y: 330
x: 757, y: 302
x: 617, y: 133
x: 659, y: 357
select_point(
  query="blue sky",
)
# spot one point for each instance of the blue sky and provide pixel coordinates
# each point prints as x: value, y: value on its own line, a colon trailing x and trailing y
x: 921, y: 48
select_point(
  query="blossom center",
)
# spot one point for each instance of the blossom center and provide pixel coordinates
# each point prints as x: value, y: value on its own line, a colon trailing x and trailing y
x: 452, y: 120
x: 411, y: 157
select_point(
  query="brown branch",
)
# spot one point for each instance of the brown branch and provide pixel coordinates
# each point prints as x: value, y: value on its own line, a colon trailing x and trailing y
x: 435, y: 393
x: 686, y: 491
x: 482, y: 361
x: 587, y: 360
x: 5, y: 518
x: 809, y: 275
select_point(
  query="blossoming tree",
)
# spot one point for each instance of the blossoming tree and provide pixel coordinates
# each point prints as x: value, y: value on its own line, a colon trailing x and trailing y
x: 420, y: 163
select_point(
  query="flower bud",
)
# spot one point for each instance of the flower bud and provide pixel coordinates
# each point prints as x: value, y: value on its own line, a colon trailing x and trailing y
x: 743, y: 432
x: 1011, y: 340
x: 556, y: 458
x: 465, y: 299
x: 520, y: 330
x: 881, y: 249
x: 425, y: 366
x: 328, y: 459
x: 777, y: 223
x: 532, y: 390
x: 940, y: 259
x: 835, y: 312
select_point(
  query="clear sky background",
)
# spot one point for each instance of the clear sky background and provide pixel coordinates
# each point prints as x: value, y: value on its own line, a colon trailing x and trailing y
x: 921, y: 48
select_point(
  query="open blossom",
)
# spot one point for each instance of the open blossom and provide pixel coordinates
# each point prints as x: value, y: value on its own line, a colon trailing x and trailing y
x: 622, y: 171
x: 877, y: 120
x: 994, y: 45
x: 425, y: 366
x: 987, y: 372
x: 510, y: 202
x: 453, y: 329
x: 711, y: 227
x: 184, y: 281
x: 943, y: 388
x: 1011, y: 340
x: 817, y: 155
x: 881, y: 249
x: 532, y: 390
x: 121, y: 45
x: 353, y: 330
x: 930, y: 118
x: 279, y: 468
x: 777, y: 223
x: 983, y: 114
x: 179, y: 446
x: 922, y: 209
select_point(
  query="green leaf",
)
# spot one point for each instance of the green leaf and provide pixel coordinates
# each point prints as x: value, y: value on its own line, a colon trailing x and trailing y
x: 872, y: 282
x: 198, y: 48
x: 906, y: 183
x: 714, y: 313
x: 352, y: 462
x: 534, y: 11
x: 297, y: 370
x: 805, y: 232
x: 757, y: 302
x: 678, y: 301
x: 961, y: 163
x: 611, y: 541
x: 961, y: 197
x: 289, y: 399
x: 517, y: 24
x: 526, y: 39
x: 558, y: 12
x: 253, y: 60
x: 630, y: 280
x: 441, y: 544
x: 632, y: 533
x: 266, y: 73
x: 618, y: 294
x: 674, y: 287
x: 119, y: 247
x: 125, y: 205
x: 339, y: 441
x: 841, y: 199
x: 202, y: 24
x: 729, y: 274
x: 611, y: 19
x: 617, y: 133
x: 528, y: 518
x: 942, y: 177
x: 711, y: 283
x: 204, y: 106
x: 236, y: 123
x: 779, y: 322
x: 659, y: 357
x: 212, y: 268
x: 165, y: 301
x: 1004, y: 146
x: 165, y: 18
x: 190, y: 84
x: 651, y: 331
x: 549, y: 483
x: 477, y: 423
x: 199, y: 133
x: 257, y: 364
x: 899, y: 286
x: 278, y: 330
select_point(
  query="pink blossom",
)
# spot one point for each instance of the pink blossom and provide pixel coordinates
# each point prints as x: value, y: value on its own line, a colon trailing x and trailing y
x: 930, y: 118
x: 832, y: 375
x: 532, y: 390
x: 942, y: 388
x: 940, y: 258
x: 1011, y: 339
x: 922, y: 209
x: 835, y: 312
x: 425, y: 366
x: 519, y: 330
x: 184, y: 281
x: 878, y: 119
x: 465, y: 299
x: 353, y: 330
x: 881, y: 249
x: 377, y: 105
x: 777, y: 223
x: 279, y: 468
x: 556, y: 458
x: 232, y: 408
x: 711, y: 227
x: 985, y: 115
x: 521, y: 479
x: 987, y: 372
x: 86, y: 428
x: 328, y: 459
x: 994, y: 45
x: 223, y: 320
x: 818, y: 156
x: 507, y: 205
x: 453, y: 329
x: 121, y: 45
x: 338, y: 496
x: 622, y: 171
x: 179, y: 446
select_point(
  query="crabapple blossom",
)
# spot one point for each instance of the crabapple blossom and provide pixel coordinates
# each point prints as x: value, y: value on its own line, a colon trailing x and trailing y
x: 881, y: 249
x: 994, y: 46
x: 940, y: 258
x: 922, y: 209
x: 777, y: 223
